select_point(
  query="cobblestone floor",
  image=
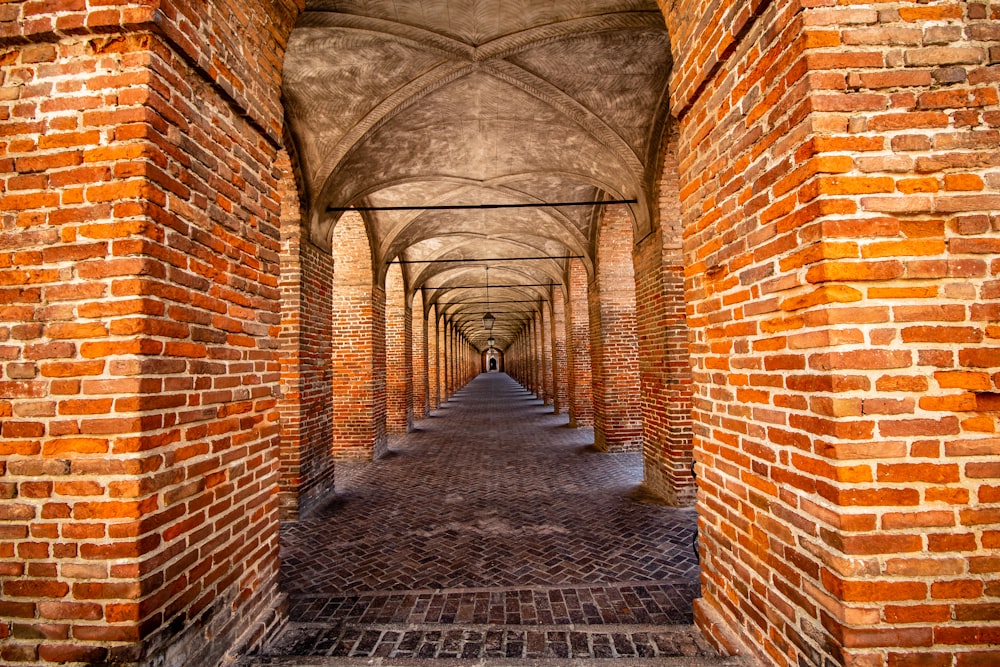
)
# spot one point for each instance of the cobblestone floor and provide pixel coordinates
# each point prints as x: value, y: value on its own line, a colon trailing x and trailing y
x: 493, y: 530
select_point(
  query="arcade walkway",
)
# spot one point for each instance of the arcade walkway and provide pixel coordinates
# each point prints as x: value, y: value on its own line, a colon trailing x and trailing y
x: 492, y: 532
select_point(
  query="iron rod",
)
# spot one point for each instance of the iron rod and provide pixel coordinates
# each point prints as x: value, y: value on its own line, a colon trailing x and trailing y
x: 468, y: 207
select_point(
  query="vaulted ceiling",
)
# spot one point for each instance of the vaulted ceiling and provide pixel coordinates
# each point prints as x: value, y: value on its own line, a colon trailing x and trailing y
x: 434, y: 104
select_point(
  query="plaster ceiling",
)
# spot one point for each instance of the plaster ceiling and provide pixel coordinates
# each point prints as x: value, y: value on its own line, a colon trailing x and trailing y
x: 468, y: 102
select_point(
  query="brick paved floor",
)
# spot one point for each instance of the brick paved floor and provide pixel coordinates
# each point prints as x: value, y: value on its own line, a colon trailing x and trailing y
x: 493, y: 530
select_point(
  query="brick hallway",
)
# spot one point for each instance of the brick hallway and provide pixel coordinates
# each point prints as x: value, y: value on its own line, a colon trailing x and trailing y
x: 492, y: 531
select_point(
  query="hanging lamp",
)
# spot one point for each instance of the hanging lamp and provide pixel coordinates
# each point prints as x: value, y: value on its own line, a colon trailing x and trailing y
x: 488, y: 318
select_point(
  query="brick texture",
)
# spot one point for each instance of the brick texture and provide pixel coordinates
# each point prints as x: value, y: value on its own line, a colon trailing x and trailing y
x: 838, y: 186
x: 139, y: 244
x: 664, y: 362
x: 614, y: 344
x: 577, y: 316
x: 307, y: 468
x: 419, y: 355
x: 434, y: 367
x: 398, y: 354
x: 359, y: 392
x: 560, y: 401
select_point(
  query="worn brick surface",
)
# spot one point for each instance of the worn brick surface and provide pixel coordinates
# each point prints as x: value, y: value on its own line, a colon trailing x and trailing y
x: 839, y: 192
x: 614, y: 343
x: 307, y: 467
x: 139, y: 246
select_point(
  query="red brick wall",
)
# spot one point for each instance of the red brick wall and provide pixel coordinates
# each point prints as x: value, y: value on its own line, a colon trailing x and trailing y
x: 581, y: 403
x: 545, y: 331
x: 419, y: 354
x: 138, y: 332
x: 359, y: 374
x: 531, y: 355
x: 664, y: 363
x: 434, y: 357
x: 614, y: 344
x: 399, y: 354
x: 560, y: 379
x: 307, y: 468
x: 840, y: 195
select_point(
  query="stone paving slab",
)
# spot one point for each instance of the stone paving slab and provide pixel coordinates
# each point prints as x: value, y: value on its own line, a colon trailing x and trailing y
x: 493, y: 532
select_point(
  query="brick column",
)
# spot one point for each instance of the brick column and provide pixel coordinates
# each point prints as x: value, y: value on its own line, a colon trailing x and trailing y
x: 536, y: 328
x: 531, y: 355
x: 306, y: 345
x: 139, y: 343
x: 613, y: 341
x: 664, y: 362
x: 399, y: 354
x: 560, y: 380
x: 358, y: 395
x: 545, y: 331
x: 581, y: 403
x: 839, y: 193
x: 434, y: 358
x: 449, y: 358
x: 421, y: 359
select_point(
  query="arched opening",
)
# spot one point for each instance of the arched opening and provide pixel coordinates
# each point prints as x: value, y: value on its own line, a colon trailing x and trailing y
x: 492, y: 361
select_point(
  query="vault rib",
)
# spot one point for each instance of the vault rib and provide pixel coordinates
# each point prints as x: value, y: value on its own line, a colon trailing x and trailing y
x: 525, y: 40
x: 412, y: 35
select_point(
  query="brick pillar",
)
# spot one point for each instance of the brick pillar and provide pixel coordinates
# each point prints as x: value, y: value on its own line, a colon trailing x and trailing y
x: 530, y: 358
x: 399, y: 354
x: 307, y: 468
x: 358, y: 396
x: 560, y: 378
x: 421, y: 359
x: 613, y: 341
x: 839, y: 196
x: 139, y: 342
x: 449, y: 360
x: 539, y: 344
x: 664, y: 362
x: 513, y: 360
x: 434, y: 365
x: 581, y: 403
x: 545, y: 331
x: 445, y: 359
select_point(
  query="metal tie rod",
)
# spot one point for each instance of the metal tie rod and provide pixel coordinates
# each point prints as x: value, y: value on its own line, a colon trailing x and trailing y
x: 469, y: 207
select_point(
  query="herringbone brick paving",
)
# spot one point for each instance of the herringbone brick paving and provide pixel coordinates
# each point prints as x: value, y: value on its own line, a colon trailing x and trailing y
x: 492, y: 531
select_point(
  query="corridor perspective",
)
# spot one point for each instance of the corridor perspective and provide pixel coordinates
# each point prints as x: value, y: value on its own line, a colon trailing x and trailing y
x: 734, y: 264
x: 492, y: 531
